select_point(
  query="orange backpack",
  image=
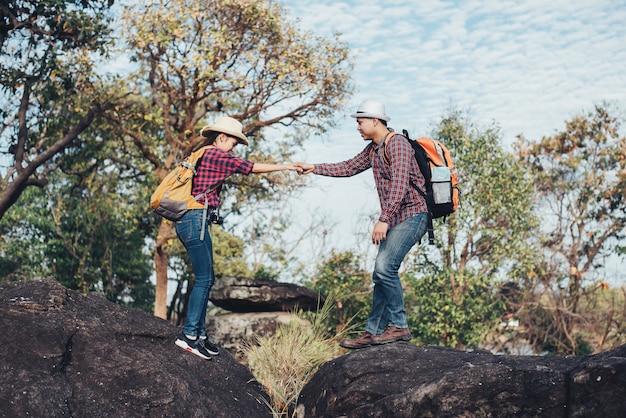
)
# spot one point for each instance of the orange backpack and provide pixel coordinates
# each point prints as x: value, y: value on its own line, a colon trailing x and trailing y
x: 437, y: 167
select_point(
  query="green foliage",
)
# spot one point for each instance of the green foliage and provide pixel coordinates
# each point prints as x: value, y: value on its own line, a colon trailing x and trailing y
x: 263, y: 273
x: 457, y: 316
x: 581, y: 181
x: 342, y: 279
x: 85, y: 230
x: 228, y: 257
x: 490, y: 231
x: 47, y: 53
x: 21, y: 247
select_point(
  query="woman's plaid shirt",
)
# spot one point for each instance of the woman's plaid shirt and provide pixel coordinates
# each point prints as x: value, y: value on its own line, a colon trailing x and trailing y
x: 214, y: 167
x: 398, y: 199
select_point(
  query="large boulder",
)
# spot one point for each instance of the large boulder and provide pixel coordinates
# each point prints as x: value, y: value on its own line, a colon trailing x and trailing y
x: 402, y: 380
x: 235, y: 331
x: 74, y: 355
x: 248, y: 295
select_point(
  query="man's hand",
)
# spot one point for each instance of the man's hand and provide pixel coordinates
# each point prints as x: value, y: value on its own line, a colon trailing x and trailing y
x: 306, y: 168
x: 380, y: 232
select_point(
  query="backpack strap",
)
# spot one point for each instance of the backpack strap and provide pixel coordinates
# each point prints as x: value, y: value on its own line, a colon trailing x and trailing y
x: 385, y: 153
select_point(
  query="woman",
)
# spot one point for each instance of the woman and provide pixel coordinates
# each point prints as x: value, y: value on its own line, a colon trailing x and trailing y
x: 217, y: 164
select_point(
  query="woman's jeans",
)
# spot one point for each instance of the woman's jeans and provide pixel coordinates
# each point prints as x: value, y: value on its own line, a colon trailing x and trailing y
x: 188, y: 229
x: 388, y: 301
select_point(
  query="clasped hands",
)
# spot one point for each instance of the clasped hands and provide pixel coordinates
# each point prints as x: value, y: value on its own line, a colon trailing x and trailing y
x: 300, y: 168
x: 304, y: 168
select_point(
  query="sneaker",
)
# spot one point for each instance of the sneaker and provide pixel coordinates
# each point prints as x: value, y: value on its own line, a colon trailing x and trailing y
x: 392, y: 334
x: 362, y: 341
x: 193, y: 346
x: 210, y: 345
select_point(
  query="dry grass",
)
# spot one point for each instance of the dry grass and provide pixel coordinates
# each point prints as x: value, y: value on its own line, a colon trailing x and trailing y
x: 284, y: 362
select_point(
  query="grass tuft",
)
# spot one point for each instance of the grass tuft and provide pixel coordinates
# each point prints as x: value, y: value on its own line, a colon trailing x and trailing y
x: 284, y: 362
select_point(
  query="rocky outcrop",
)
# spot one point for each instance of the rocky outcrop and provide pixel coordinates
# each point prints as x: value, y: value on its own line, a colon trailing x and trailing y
x: 255, y: 308
x: 402, y: 380
x: 248, y: 295
x: 73, y: 355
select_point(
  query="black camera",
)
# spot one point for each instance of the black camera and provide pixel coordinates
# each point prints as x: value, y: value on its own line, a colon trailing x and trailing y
x: 215, y: 218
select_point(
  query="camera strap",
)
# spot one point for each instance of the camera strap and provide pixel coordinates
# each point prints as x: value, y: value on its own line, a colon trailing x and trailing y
x: 205, y: 211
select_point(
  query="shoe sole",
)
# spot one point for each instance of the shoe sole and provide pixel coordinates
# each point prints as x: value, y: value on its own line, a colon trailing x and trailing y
x: 182, y: 344
x: 403, y: 338
x: 355, y: 347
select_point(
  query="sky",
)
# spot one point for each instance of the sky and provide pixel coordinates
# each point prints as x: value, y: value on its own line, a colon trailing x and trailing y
x: 527, y: 66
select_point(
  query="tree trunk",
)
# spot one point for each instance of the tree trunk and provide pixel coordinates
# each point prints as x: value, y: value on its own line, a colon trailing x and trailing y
x: 161, y: 261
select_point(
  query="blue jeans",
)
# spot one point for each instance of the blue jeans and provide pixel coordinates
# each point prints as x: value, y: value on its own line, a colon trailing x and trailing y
x: 388, y: 300
x: 188, y: 229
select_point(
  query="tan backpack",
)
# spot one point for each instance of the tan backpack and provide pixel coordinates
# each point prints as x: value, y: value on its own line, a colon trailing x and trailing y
x: 172, y: 199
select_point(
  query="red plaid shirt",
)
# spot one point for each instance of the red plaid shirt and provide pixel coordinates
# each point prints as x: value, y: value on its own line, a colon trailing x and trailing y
x: 398, y: 199
x: 213, y: 168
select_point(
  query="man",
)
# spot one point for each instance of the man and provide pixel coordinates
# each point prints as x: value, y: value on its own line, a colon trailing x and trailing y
x: 402, y: 221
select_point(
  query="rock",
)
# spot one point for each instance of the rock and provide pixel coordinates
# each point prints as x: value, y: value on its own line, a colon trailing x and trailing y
x: 248, y: 295
x: 402, y: 380
x: 74, y: 355
x: 234, y: 330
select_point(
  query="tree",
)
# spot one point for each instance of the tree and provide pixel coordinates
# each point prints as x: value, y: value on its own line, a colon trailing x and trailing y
x: 50, y: 91
x: 485, y: 244
x: 494, y: 218
x: 580, y: 181
x: 243, y: 58
x: 85, y: 229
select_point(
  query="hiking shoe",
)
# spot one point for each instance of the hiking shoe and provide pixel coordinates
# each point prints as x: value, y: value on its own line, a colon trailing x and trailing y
x: 193, y: 346
x: 210, y: 345
x: 362, y: 341
x: 392, y: 334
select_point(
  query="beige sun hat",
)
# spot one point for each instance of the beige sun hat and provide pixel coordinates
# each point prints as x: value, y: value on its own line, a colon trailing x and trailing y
x: 371, y: 109
x: 229, y: 126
